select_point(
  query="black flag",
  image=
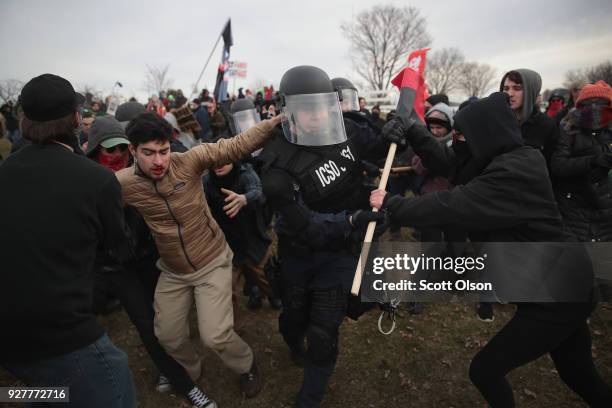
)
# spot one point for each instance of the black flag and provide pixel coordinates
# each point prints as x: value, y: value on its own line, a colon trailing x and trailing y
x: 222, y: 81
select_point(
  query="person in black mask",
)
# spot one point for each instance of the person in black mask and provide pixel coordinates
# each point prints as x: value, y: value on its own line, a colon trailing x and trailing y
x: 377, y: 121
x: 311, y: 176
x: 582, y: 164
x: 508, y: 197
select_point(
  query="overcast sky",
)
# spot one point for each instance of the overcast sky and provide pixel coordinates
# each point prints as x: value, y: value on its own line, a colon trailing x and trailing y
x: 99, y: 42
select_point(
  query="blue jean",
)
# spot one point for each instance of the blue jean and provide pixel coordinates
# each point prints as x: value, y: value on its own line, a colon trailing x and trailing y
x: 98, y: 375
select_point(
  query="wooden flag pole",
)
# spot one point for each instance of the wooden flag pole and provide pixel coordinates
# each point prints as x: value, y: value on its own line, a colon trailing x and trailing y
x: 372, y: 225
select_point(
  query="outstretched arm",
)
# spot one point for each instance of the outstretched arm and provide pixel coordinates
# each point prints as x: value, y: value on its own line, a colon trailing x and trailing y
x: 208, y: 155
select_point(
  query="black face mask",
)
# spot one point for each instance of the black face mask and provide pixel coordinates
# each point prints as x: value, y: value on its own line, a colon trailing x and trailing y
x: 462, y: 151
x: 466, y: 168
x: 375, y: 115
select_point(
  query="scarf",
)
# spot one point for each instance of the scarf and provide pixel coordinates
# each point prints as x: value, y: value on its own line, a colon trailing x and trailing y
x: 113, y: 162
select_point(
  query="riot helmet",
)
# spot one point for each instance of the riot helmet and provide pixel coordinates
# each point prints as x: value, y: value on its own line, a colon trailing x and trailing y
x: 244, y: 115
x: 311, y: 107
x: 349, y: 97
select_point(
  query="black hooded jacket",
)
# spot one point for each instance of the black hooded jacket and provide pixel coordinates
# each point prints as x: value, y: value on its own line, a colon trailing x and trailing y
x: 510, y: 201
x: 583, y: 188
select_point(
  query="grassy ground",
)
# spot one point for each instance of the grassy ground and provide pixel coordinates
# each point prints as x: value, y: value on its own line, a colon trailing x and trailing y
x: 423, y: 363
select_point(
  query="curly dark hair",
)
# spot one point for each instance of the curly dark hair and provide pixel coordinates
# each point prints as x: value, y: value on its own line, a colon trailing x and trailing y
x: 146, y: 127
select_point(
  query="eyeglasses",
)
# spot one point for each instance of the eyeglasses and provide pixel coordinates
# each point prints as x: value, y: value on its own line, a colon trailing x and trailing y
x: 121, y: 147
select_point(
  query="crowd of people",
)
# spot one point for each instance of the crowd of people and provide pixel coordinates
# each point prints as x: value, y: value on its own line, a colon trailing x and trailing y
x: 176, y: 203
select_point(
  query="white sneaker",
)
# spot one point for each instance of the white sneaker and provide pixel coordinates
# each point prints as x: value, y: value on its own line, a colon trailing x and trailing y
x: 200, y: 400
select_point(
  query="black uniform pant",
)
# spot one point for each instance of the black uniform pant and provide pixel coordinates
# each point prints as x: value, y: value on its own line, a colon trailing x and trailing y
x: 315, y: 298
x: 135, y: 288
x: 525, y: 339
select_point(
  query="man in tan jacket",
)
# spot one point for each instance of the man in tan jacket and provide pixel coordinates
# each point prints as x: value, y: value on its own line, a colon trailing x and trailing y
x: 195, y: 260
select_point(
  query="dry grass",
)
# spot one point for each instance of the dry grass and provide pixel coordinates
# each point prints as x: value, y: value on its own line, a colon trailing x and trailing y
x: 423, y: 363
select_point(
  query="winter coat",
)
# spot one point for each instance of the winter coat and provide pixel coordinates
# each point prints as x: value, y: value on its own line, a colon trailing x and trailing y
x: 538, y: 130
x: 510, y: 201
x: 584, y: 190
x: 186, y: 234
x: 246, y: 232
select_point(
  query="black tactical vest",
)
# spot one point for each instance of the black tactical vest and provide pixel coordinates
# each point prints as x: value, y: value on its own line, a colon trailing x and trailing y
x: 328, y: 178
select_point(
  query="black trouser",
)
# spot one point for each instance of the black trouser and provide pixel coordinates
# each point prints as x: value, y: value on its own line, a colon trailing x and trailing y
x: 524, y: 339
x: 135, y: 288
x: 315, y: 297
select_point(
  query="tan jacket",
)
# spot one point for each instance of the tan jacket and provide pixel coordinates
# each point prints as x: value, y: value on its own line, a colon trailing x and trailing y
x: 175, y: 208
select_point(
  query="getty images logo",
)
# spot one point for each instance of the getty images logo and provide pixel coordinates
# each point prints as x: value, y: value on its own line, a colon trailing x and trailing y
x: 411, y: 264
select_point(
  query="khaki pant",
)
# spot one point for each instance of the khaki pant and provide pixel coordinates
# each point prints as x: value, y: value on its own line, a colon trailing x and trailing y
x: 211, y: 288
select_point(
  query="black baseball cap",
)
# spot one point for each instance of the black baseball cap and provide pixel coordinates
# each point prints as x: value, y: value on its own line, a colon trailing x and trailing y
x: 49, y: 97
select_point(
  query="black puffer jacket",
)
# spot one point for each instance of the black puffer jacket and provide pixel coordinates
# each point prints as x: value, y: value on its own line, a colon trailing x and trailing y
x: 584, y: 190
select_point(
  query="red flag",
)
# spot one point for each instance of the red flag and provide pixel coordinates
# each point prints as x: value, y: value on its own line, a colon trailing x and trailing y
x: 269, y: 92
x: 413, y: 77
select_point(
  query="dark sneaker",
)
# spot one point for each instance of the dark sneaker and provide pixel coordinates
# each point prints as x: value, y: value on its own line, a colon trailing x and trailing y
x: 198, y: 399
x: 251, y: 383
x: 275, y: 303
x: 255, y: 301
x: 485, y: 312
x: 163, y: 384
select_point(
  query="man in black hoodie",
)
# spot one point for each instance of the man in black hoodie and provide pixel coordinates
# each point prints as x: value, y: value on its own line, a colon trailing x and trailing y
x: 63, y: 207
x: 509, y: 200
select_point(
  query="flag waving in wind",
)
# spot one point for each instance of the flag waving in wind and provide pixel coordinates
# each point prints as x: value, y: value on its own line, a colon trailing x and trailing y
x: 411, y: 83
x: 222, y: 79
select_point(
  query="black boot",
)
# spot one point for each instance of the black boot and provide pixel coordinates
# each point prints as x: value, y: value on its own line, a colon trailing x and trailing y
x: 255, y: 301
x: 314, y: 385
x: 275, y: 303
x: 298, y: 354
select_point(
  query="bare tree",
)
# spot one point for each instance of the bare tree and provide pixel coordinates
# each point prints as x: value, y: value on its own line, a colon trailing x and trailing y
x: 602, y: 71
x: 574, y: 76
x: 156, y: 78
x: 476, y: 78
x: 444, y: 69
x: 10, y: 90
x: 381, y: 38
x: 90, y: 92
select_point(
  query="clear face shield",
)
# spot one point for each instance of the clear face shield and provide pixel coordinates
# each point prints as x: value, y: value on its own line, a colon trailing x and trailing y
x: 350, y: 100
x: 313, y: 119
x: 244, y: 120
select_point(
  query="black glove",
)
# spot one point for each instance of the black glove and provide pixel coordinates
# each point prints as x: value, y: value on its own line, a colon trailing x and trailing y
x: 396, y: 130
x: 361, y: 218
x: 603, y: 160
x: 371, y: 169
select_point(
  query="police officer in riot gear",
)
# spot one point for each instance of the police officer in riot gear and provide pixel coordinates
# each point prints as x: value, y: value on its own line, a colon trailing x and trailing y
x: 243, y: 116
x: 312, y: 178
x: 356, y: 123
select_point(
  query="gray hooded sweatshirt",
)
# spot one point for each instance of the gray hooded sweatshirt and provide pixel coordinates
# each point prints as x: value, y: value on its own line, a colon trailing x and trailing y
x: 532, y: 85
x: 443, y: 109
